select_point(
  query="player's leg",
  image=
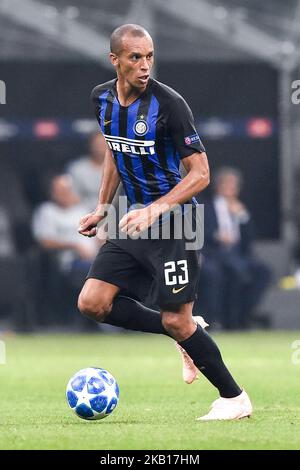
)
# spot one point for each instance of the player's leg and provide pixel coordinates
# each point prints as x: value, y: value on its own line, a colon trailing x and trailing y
x: 127, y: 312
x: 114, y: 270
x: 189, y: 370
x: 178, y: 321
x: 96, y: 299
x: 100, y: 300
x: 132, y: 315
x: 234, y: 402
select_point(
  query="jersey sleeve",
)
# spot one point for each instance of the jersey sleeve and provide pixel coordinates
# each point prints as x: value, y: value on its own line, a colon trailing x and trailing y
x: 96, y: 104
x: 182, y: 129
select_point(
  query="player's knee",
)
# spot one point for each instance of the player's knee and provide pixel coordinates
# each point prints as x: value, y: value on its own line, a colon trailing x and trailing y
x: 96, y: 310
x: 172, y: 322
x: 179, y: 326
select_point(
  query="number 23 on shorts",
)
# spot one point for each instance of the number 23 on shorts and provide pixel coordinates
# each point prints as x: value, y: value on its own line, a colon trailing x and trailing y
x: 176, y: 272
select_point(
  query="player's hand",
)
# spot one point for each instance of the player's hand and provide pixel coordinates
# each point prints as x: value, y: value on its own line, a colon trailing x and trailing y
x: 137, y: 221
x: 88, y: 224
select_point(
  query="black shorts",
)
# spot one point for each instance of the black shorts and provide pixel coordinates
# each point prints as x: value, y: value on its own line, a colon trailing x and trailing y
x: 162, y: 268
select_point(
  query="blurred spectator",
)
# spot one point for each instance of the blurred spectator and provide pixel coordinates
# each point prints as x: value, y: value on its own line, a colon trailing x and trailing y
x: 296, y: 219
x: 7, y: 246
x: 15, y: 241
x: 232, y: 280
x: 55, y: 225
x: 86, y: 172
x: 14, y: 204
x: 12, y: 277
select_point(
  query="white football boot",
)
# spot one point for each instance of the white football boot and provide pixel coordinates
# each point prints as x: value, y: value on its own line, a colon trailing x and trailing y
x: 229, y: 408
x: 190, y: 371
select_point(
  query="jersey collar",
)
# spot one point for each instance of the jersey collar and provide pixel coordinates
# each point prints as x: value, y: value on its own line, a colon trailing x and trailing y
x: 115, y: 93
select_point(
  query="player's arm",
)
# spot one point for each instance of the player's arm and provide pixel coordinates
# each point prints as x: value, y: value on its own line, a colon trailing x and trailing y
x: 110, y: 182
x: 192, y: 153
x: 182, y: 129
x: 194, y: 182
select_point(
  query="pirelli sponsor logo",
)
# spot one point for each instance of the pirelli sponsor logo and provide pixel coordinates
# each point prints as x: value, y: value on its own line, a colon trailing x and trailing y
x: 132, y: 146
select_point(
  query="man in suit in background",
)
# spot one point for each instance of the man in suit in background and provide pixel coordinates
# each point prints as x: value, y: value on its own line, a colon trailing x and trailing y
x: 232, y: 279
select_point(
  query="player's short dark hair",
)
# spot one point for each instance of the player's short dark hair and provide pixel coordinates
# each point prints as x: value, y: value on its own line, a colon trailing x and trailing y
x: 119, y: 33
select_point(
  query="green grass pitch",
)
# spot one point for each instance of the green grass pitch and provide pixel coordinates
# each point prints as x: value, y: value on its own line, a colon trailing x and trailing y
x: 156, y: 409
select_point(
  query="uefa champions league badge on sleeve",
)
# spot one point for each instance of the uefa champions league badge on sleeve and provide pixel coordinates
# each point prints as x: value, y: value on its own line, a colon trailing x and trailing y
x: 191, y: 139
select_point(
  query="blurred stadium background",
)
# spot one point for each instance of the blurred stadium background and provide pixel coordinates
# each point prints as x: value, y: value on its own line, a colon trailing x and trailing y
x: 233, y: 60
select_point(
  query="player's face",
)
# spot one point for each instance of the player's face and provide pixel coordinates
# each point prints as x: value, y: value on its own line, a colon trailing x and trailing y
x: 134, y: 63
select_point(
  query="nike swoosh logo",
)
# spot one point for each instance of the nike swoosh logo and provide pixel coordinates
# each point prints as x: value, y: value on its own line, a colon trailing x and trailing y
x: 175, y: 291
x: 107, y: 122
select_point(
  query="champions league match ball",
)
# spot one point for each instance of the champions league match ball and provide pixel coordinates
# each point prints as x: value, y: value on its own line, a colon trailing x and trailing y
x: 92, y: 393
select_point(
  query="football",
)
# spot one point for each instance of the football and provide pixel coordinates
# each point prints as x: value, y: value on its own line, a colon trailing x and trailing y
x: 92, y: 393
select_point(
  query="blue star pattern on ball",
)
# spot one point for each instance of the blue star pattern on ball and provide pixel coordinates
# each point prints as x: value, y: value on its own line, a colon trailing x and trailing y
x: 92, y: 393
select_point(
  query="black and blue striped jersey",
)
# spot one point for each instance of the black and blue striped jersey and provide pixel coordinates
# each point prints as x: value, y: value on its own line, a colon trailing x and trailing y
x: 147, y: 138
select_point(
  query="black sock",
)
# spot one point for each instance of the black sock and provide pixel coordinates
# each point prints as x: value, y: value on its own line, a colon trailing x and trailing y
x: 207, y: 357
x: 130, y: 314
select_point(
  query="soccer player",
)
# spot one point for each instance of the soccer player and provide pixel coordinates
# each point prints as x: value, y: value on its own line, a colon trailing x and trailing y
x: 149, y: 129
